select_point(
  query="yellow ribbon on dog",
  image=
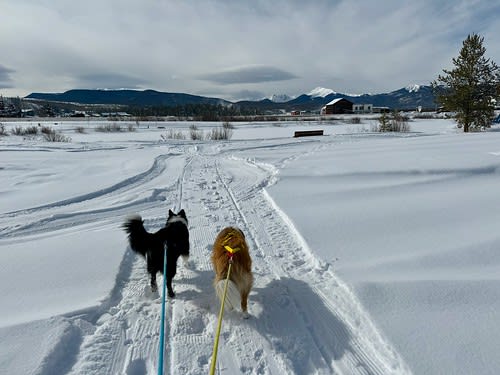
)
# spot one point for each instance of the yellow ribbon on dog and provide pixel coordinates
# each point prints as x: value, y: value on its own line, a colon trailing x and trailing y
x: 231, y: 250
x: 226, y: 240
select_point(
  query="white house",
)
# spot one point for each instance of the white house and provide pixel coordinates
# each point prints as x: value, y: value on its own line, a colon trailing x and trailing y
x: 362, y: 108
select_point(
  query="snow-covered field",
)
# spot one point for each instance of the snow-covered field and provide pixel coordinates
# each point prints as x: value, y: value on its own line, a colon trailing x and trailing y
x: 372, y: 253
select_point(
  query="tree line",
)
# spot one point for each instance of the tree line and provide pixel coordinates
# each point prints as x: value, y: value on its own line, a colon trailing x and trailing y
x: 203, y: 112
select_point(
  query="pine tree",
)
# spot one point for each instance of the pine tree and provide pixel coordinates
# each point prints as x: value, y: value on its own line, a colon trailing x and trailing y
x: 471, y: 87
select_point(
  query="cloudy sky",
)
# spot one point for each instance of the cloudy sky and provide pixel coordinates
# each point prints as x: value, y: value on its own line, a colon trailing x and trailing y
x: 236, y: 49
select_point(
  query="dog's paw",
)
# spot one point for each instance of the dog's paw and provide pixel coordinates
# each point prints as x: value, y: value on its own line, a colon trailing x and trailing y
x: 245, y: 315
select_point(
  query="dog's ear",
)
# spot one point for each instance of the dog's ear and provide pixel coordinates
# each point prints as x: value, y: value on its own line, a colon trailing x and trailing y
x: 182, y: 214
x: 170, y: 213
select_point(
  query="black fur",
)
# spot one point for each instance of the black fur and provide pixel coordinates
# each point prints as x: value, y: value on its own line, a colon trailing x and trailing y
x: 174, y: 235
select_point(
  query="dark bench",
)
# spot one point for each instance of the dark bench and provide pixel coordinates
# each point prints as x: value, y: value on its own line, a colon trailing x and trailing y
x: 307, y: 133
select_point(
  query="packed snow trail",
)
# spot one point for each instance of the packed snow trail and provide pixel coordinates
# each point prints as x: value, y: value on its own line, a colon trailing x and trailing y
x: 304, y: 320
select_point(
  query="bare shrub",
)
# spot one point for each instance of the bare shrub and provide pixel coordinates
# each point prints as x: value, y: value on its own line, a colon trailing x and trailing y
x: 80, y: 129
x: 195, y: 133
x: 2, y: 130
x: 173, y: 134
x: 46, y: 130
x: 30, y: 130
x: 393, y: 123
x: 355, y: 120
x: 51, y: 135
x: 109, y: 128
x: 224, y: 132
x: 400, y: 123
x: 17, y: 130
x: 221, y: 133
x: 131, y: 127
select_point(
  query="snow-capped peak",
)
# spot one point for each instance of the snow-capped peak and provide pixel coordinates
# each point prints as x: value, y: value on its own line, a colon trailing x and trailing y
x: 321, y: 91
x: 413, y: 88
x: 280, y: 98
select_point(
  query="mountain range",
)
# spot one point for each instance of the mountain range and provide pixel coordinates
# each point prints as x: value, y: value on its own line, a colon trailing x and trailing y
x: 407, y: 98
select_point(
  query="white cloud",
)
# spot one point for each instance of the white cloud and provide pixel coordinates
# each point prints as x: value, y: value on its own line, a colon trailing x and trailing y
x: 248, y: 74
x: 259, y: 46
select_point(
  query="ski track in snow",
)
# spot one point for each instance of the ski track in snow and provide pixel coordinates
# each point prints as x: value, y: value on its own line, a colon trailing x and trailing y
x: 304, y: 320
x: 55, y: 216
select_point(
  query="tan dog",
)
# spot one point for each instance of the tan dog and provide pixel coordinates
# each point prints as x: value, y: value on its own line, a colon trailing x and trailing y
x: 241, y: 277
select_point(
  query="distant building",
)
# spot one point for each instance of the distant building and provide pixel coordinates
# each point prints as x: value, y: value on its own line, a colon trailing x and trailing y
x: 337, y: 106
x: 78, y: 114
x: 362, y: 108
x: 115, y: 114
x: 381, y: 110
x: 28, y: 112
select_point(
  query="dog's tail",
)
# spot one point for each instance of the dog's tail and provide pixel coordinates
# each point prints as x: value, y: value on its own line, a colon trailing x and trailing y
x: 138, y: 237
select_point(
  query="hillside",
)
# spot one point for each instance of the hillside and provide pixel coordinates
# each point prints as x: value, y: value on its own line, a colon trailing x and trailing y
x: 405, y: 98
x: 127, y: 97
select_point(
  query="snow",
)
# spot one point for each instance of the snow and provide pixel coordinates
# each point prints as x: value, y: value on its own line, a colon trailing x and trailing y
x: 280, y: 98
x: 372, y: 253
x: 336, y: 100
x: 321, y: 92
x: 413, y: 88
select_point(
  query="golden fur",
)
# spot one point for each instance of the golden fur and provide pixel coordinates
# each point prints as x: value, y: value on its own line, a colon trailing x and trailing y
x: 241, y: 270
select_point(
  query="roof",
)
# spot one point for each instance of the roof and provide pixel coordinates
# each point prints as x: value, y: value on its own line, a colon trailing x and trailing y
x: 334, y: 101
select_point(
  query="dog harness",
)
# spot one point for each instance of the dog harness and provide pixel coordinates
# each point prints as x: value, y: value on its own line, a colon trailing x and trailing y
x: 229, y: 249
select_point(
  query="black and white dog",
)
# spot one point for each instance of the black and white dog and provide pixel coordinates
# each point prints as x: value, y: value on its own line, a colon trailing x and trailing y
x: 174, y: 235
